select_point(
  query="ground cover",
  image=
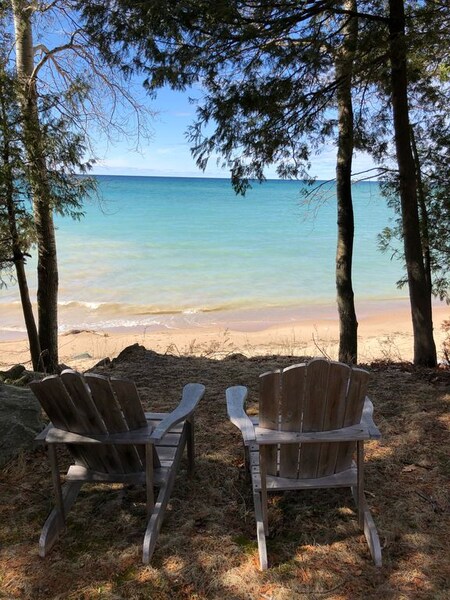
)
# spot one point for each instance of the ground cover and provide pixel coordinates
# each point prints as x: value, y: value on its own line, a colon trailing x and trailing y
x: 207, y: 547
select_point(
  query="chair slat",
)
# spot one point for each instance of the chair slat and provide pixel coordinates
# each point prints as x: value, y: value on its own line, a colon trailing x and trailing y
x: 62, y: 412
x: 317, y: 375
x: 269, y: 399
x: 82, y: 399
x: 338, y: 380
x: 56, y: 403
x: 269, y: 412
x: 109, y: 408
x: 106, y: 403
x: 353, y: 412
x: 128, y: 398
x: 130, y: 403
x: 355, y: 396
x: 292, y: 401
x: 106, y: 459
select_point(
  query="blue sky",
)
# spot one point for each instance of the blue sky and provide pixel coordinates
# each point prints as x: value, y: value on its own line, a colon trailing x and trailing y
x: 168, y: 154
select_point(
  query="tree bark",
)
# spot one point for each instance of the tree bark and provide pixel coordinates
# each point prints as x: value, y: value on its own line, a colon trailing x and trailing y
x: 348, y: 324
x: 47, y: 270
x: 419, y: 293
x: 423, y: 216
x: 18, y: 258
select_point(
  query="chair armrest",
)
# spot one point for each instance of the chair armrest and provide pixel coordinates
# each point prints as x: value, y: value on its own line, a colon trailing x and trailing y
x: 236, y: 397
x: 352, y: 433
x: 192, y: 394
x: 367, y: 420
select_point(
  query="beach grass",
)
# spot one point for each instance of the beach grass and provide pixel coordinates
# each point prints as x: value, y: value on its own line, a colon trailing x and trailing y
x: 207, y: 547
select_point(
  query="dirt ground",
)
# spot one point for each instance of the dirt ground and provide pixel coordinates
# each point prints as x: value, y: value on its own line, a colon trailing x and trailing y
x: 207, y: 547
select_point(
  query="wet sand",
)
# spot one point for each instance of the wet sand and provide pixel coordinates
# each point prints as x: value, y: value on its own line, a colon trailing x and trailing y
x: 384, y: 333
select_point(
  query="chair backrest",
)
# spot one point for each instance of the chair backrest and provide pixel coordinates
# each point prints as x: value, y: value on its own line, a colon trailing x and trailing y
x: 319, y: 396
x: 93, y: 404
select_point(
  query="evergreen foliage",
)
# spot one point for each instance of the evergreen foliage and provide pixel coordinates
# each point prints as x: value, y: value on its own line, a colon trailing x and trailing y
x: 429, y: 96
x: 13, y: 188
x: 266, y: 70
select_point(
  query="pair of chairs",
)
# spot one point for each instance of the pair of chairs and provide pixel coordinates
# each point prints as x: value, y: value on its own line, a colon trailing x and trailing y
x: 312, y: 420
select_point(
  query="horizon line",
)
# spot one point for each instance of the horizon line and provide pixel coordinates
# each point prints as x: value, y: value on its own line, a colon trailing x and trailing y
x: 371, y: 180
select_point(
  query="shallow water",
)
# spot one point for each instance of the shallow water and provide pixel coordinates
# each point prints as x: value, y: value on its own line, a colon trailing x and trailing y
x: 167, y: 251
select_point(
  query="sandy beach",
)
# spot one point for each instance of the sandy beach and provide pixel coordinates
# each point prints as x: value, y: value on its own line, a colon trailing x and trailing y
x: 384, y: 333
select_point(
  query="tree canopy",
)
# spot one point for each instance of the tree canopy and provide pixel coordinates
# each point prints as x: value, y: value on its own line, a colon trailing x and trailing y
x: 269, y: 80
x: 63, y: 92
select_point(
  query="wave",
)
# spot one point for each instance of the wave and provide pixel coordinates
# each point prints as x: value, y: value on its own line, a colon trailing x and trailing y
x: 13, y: 329
x: 125, y: 308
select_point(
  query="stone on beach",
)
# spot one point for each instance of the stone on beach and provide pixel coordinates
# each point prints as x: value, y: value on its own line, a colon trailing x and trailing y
x: 20, y: 421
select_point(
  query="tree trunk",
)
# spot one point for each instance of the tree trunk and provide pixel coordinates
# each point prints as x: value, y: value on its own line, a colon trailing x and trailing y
x: 419, y: 293
x: 18, y: 258
x: 17, y: 254
x: 423, y: 212
x: 348, y: 325
x: 27, y: 309
x: 47, y: 270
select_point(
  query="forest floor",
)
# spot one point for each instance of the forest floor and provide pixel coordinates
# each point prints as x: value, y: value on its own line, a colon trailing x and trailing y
x: 207, y: 547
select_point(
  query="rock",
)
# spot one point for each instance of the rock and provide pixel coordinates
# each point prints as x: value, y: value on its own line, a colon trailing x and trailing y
x: 83, y: 356
x: 133, y: 352
x: 13, y: 373
x: 20, y: 421
x: 236, y: 356
x: 105, y: 362
x: 26, y: 378
x: 19, y: 376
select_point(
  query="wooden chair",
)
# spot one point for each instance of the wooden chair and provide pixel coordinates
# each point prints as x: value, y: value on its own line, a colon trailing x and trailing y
x: 111, y: 439
x: 313, y: 419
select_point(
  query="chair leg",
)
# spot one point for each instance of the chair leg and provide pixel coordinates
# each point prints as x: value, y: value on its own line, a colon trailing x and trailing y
x: 263, y: 450
x: 360, y: 482
x: 190, y: 444
x: 371, y: 533
x: 149, y: 450
x: 247, y: 465
x: 365, y: 519
x: 157, y: 516
x: 155, y: 522
x: 260, y: 530
x: 248, y: 452
x: 56, y: 480
x: 54, y: 524
x: 260, y: 500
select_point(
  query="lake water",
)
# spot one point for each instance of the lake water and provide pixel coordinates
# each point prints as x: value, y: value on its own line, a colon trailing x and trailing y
x: 170, y: 251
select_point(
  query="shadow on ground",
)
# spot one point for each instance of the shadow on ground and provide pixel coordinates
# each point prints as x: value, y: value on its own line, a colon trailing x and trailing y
x: 207, y: 546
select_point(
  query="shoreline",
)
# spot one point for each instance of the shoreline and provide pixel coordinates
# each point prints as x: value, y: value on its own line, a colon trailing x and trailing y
x: 384, y: 333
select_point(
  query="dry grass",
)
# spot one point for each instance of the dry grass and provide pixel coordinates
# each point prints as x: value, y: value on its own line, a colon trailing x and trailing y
x: 207, y: 547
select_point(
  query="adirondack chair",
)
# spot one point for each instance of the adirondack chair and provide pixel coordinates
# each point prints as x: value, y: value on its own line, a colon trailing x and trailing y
x: 111, y: 439
x: 313, y: 419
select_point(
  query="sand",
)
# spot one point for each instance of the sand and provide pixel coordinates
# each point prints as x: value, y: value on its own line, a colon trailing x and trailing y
x: 384, y: 333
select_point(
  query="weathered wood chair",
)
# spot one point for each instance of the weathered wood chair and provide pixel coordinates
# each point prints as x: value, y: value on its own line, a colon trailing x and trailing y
x: 111, y: 439
x: 312, y: 419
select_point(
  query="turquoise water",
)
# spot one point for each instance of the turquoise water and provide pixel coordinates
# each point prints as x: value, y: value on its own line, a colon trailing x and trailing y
x: 156, y: 246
